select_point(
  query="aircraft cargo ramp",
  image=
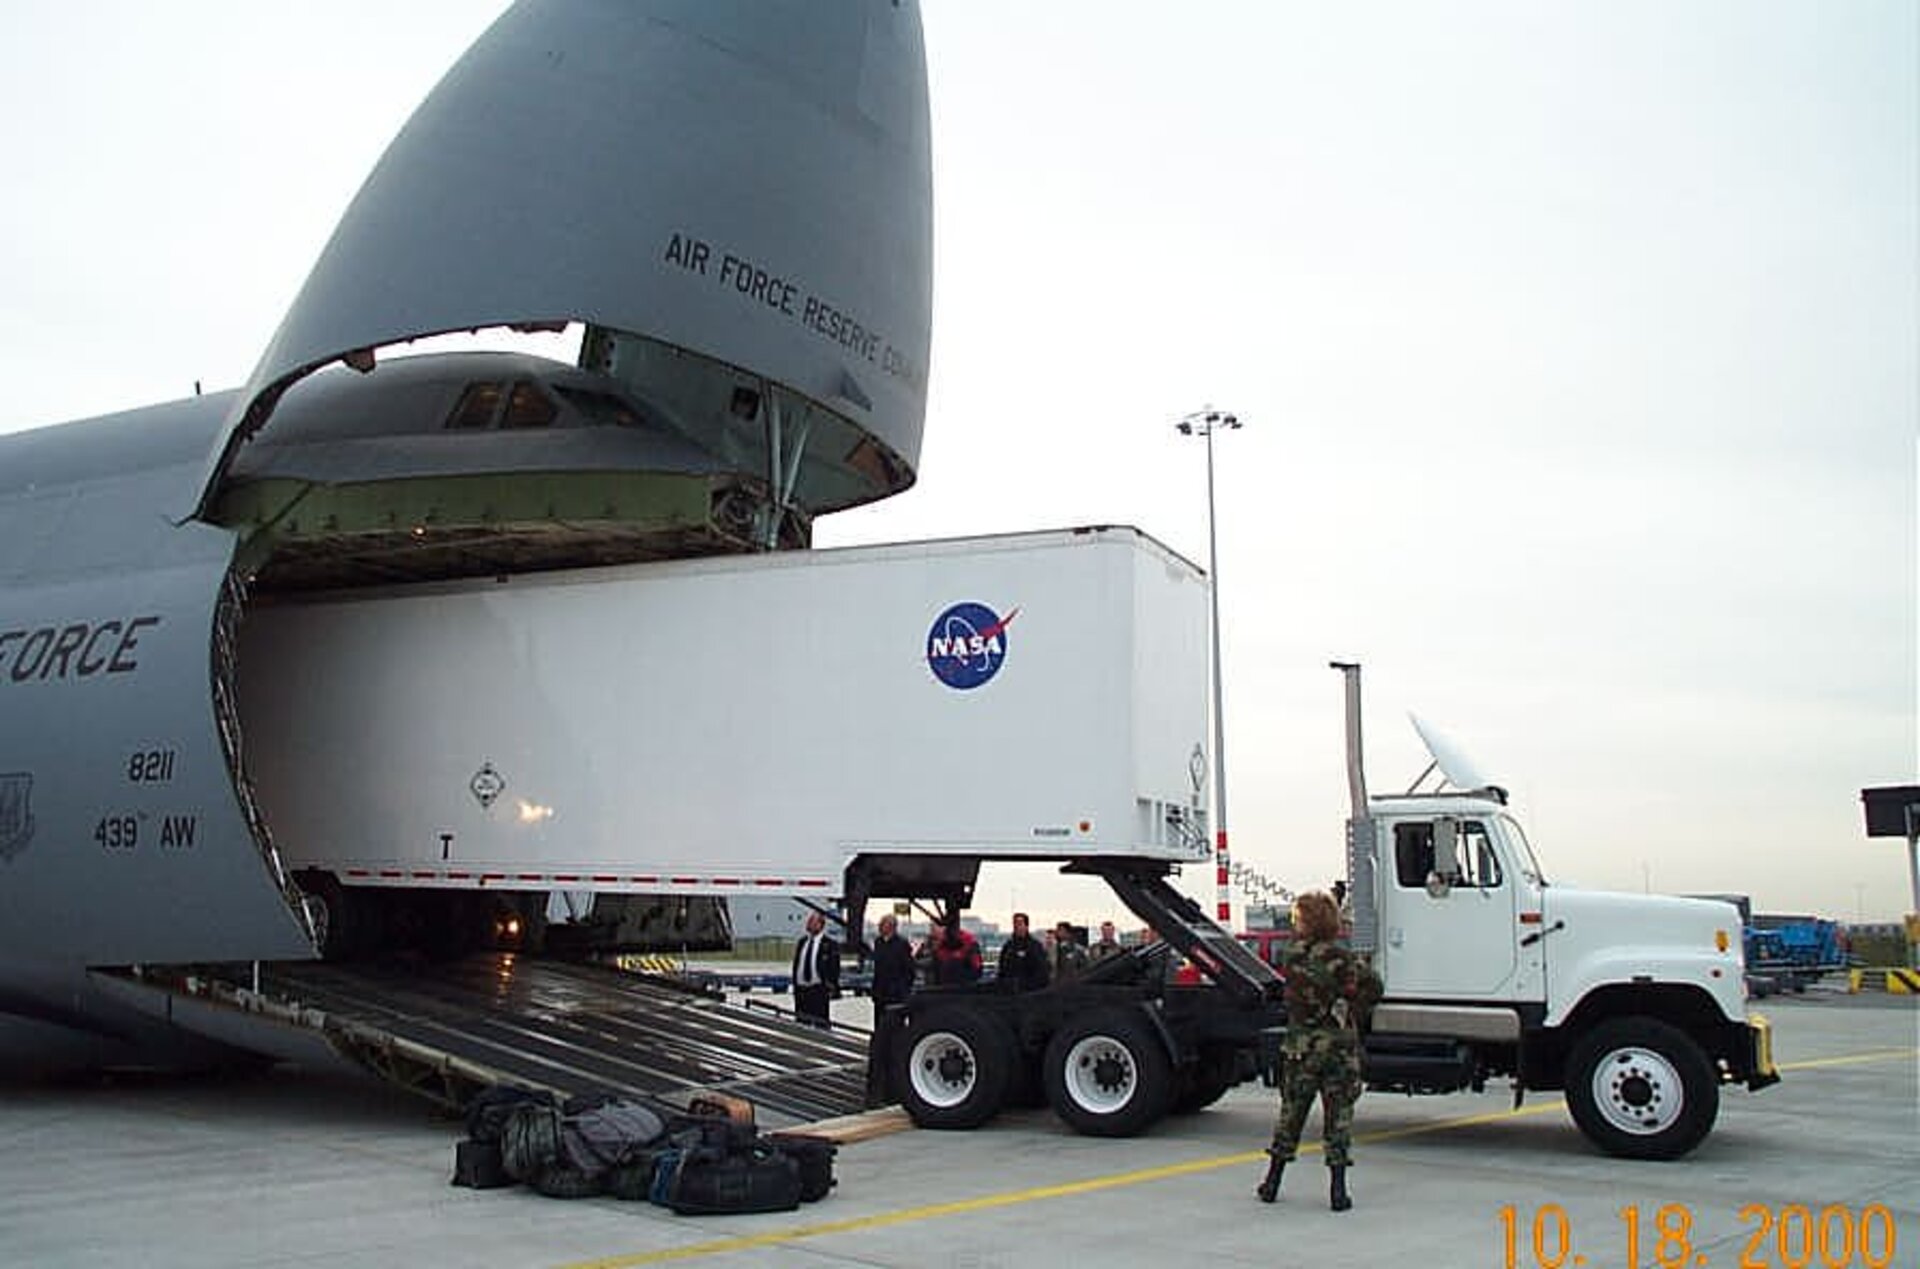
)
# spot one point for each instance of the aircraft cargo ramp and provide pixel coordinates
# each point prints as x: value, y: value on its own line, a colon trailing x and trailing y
x: 448, y: 1031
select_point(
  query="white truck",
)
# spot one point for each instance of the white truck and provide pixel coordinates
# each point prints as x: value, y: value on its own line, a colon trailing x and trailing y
x: 1634, y: 1005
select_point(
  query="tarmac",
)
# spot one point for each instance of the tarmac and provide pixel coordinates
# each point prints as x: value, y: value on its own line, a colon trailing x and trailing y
x: 289, y: 1167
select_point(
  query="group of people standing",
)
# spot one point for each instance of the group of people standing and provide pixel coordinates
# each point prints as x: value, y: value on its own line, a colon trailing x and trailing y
x: 1027, y: 964
x: 949, y: 954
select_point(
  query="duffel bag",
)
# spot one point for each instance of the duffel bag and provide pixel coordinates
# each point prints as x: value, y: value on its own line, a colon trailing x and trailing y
x: 759, y: 1181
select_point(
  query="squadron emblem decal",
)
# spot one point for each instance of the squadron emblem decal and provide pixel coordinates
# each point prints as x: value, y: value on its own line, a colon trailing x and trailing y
x: 16, y: 813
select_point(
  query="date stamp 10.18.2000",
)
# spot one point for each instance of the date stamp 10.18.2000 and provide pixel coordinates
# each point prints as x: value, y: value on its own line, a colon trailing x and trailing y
x: 1772, y: 1236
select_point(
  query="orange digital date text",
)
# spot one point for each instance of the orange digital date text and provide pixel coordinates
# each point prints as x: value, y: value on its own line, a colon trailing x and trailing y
x: 1789, y: 1236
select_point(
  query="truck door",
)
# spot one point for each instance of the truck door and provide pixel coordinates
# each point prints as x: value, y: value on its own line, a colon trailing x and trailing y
x: 1447, y: 926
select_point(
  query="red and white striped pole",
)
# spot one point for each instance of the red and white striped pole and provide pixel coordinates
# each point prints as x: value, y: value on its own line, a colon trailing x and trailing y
x: 1204, y: 424
x: 1226, y: 895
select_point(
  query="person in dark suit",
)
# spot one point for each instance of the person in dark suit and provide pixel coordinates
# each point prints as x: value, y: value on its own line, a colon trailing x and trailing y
x: 893, y: 975
x: 893, y: 968
x: 1023, y: 961
x: 816, y: 972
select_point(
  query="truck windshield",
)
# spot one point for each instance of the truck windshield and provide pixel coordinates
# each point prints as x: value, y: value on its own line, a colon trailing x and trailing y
x: 1523, y: 851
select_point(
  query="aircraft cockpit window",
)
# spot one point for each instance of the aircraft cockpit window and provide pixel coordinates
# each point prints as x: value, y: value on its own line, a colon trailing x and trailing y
x: 527, y: 406
x: 475, y: 407
x: 601, y: 407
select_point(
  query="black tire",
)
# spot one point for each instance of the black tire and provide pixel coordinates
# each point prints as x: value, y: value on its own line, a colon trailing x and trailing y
x: 951, y: 1067
x: 1205, y: 1082
x: 1640, y: 1088
x: 1108, y: 1074
x: 340, y: 922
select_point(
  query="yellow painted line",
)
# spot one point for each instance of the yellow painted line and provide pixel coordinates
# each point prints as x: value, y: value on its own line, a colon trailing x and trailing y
x: 1015, y: 1197
x: 1012, y: 1198
x: 1878, y: 1055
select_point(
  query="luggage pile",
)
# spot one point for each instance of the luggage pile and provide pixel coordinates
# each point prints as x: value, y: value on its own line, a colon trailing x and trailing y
x: 705, y: 1160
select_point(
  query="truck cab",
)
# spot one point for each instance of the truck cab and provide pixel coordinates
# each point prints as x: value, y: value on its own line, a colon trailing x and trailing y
x: 1635, y: 1005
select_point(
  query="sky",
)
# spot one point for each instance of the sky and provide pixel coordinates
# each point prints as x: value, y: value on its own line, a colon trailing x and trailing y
x: 1577, y: 348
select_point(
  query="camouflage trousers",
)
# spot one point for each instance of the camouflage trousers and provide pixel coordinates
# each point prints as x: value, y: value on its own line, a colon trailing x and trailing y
x: 1331, y: 1072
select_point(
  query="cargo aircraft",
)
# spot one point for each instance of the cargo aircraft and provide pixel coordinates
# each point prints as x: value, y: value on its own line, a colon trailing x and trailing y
x: 731, y: 201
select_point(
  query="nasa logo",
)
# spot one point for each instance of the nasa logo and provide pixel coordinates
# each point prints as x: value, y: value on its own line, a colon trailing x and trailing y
x: 16, y: 813
x: 967, y: 645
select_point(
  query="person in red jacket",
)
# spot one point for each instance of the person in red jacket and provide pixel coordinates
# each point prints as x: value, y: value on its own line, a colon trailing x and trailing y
x: 956, y: 953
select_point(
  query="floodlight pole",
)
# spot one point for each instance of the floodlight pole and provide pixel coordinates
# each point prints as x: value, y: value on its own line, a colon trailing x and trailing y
x: 1204, y: 423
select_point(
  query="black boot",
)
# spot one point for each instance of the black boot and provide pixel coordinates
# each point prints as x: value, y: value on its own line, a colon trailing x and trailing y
x: 1338, y: 1198
x: 1270, y: 1188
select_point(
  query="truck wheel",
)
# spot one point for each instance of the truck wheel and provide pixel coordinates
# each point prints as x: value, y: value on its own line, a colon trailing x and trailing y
x: 951, y: 1067
x: 1108, y: 1074
x: 1641, y: 1089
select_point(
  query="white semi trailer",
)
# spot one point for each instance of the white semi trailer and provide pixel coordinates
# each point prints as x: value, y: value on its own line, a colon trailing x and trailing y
x: 828, y: 724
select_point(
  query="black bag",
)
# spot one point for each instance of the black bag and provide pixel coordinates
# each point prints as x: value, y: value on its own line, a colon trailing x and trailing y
x: 487, y: 1112
x: 814, y: 1157
x: 634, y: 1180
x: 608, y: 1135
x: 764, y: 1180
x: 478, y: 1165
x: 703, y: 1136
x: 529, y: 1140
x: 558, y: 1180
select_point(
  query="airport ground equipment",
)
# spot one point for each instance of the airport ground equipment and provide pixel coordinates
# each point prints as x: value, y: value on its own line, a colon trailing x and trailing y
x: 1790, y: 953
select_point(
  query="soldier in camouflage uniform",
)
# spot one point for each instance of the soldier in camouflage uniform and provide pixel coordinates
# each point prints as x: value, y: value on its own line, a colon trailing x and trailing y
x: 1329, y: 992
